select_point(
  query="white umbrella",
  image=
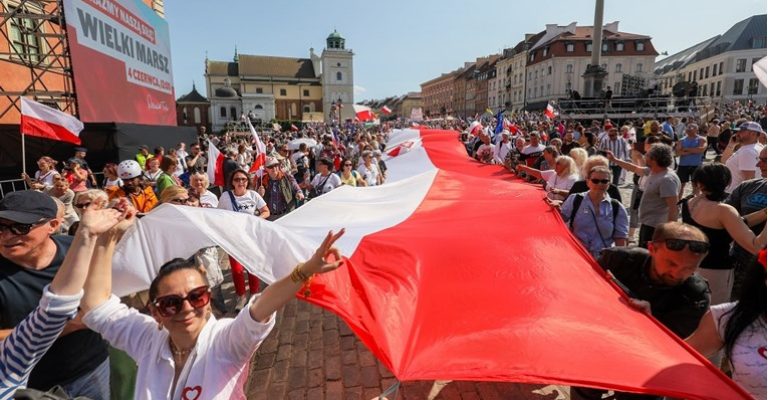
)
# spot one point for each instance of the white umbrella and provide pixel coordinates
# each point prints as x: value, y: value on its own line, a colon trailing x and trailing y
x: 295, y: 143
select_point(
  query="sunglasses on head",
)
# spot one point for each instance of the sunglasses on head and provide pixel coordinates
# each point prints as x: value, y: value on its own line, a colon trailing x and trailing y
x: 600, y: 181
x: 20, y: 229
x: 170, y: 305
x: 694, y: 246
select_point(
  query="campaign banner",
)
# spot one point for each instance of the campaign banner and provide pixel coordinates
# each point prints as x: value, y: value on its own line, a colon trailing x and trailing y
x: 121, y: 62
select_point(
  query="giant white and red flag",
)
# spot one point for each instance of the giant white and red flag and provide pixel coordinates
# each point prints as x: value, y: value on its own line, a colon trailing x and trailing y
x: 531, y: 306
x: 46, y: 122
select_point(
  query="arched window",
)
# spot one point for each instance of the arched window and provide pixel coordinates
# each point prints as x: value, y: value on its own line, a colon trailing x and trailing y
x: 306, y: 109
x: 184, y: 115
x: 338, y: 76
x: 223, y: 112
x: 197, y: 116
x: 258, y: 107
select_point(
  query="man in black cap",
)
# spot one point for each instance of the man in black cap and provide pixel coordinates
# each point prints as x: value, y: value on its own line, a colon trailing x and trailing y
x: 30, y: 256
x: 80, y: 157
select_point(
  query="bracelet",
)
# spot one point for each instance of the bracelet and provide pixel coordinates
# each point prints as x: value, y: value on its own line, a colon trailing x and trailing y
x: 298, y: 276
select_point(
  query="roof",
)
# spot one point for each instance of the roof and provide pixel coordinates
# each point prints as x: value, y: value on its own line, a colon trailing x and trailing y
x: 335, y: 35
x: 582, y: 33
x: 192, y: 97
x: 251, y: 65
x: 741, y: 36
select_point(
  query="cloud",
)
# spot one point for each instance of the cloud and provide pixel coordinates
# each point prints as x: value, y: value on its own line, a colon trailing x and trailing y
x: 359, y: 90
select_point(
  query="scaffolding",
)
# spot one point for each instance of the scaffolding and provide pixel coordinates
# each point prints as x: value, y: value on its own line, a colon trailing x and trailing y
x: 36, y: 35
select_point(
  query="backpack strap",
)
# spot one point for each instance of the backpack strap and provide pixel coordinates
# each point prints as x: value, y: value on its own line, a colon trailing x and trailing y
x: 577, y: 199
x: 235, y: 206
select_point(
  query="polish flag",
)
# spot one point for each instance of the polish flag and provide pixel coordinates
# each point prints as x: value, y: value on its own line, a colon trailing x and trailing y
x: 42, y: 121
x: 294, y: 128
x: 260, y: 154
x: 363, y: 113
x: 386, y: 110
x: 215, y: 165
x: 550, y: 111
x: 535, y: 310
x: 475, y: 128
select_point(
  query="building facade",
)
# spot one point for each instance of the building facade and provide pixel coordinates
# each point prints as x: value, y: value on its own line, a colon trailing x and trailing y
x: 193, y: 109
x: 437, y: 95
x: 270, y: 88
x: 556, y: 62
x: 719, y: 67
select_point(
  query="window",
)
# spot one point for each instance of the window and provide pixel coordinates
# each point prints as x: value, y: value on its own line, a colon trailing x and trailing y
x: 712, y: 89
x: 689, y: 76
x: 618, y: 68
x: 717, y: 91
x: 259, y: 90
x: 714, y: 70
x: 604, y: 67
x: 197, y: 115
x: 25, y: 43
x: 536, y: 74
x: 549, y: 70
x: 569, y: 48
x: 223, y: 112
x: 703, y: 90
x: 306, y: 92
x: 639, y: 67
x: 706, y: 72
x: 738, y: 86
x: 338, y: 64
x: 548, y: 89
x: 605, y: 47
x: 533, y: 55
x: 338, y: 76
x: 639, y: 46
x: 258, y: 107
x: 753, y: 85
x: 233, y: 112
x: 589, y: 47
x: 741, y: 65
x: 619, y: 46
x: 569, y: 69
x: 694, y: 75
x: 721, y: 68
x: 758, y: 43
x: 545, y: 52
x: 283, y: 92
x: 701, y: 73
x: 306, y: 109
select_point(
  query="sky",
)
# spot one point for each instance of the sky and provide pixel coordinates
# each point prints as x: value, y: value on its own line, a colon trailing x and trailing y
x: 400, y: 44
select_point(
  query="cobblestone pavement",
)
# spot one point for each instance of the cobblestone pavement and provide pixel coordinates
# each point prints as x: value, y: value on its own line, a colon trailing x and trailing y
x: 313, y: 355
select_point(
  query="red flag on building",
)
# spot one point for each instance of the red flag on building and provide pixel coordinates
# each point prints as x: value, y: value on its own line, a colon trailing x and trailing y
x: 42, y: 121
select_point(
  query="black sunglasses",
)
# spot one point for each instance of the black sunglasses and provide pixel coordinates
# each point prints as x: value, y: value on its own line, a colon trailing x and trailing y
x: 20, y: 229
x: 600, y: 181
x: 694, y: 246
x: 170, y: 305
x: 182, y: 200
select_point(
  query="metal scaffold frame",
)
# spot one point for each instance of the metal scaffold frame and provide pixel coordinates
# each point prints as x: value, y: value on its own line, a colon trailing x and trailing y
x: 45, y: 21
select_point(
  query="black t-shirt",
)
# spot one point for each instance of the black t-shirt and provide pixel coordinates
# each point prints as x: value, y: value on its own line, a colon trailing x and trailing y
x: 748, y: 197
x: 679, y: 308
x: 72, y: 355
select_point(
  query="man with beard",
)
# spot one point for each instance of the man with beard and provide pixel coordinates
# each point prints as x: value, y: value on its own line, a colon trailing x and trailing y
x: 142, y: 198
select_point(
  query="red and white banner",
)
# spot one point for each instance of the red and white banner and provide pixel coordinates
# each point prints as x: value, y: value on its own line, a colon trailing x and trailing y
x: 386, y: 110
x: 42, y: 121
x: 260, y: 155
x: 121, y: 61
x: 363, y: 113
x: 528, y: 305
x: 215, y: 166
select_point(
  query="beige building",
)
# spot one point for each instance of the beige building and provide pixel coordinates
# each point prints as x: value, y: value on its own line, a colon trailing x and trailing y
x: 281, y: 88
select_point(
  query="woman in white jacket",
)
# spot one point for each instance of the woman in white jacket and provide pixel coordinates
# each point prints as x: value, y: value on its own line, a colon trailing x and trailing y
x: 183, y: 352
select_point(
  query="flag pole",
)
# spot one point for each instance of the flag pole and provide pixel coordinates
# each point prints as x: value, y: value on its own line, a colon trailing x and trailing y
x: 23, y: 154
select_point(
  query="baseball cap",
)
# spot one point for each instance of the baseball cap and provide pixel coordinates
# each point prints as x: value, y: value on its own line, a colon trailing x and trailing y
x: 751, y: 126
x: 271, y: 161
x: 27, y: 207
x: 81, y: 149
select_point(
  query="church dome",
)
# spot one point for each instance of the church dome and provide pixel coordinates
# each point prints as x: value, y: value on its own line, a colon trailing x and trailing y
x: 225, y: 91
x: 335, y: 41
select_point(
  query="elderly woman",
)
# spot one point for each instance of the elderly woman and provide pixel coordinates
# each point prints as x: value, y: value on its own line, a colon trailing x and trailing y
x: 559, y: 180
x: 589, y: 163
x: 279, y: 190
x: 198, y: 185
x: 182, y: 350
x: 579, y: 156
x: 597, y: 220
x: 44, y: 177
x: 325, y: 180
x: 244, y: 200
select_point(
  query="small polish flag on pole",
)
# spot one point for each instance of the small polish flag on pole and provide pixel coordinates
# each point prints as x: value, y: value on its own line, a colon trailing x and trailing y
x: 46, y: 122
x: 386, y: 110
x: 550, y: 111
x: 260, y: 155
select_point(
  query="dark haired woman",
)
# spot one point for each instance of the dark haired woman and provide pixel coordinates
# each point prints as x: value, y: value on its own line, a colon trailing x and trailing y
x: 182, y: 351
x: 242, y: 199
x: 739, y: 329
x: 722, y: 225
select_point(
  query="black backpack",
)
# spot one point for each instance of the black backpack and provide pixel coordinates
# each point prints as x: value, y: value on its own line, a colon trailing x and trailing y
x: 577, y: 203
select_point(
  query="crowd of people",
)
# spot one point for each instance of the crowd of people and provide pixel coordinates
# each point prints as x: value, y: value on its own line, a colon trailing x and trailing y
x: 691, y: 261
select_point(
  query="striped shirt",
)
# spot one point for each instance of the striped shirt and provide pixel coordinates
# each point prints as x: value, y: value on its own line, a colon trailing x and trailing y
x: 29, y: 340
x: 618, y: 147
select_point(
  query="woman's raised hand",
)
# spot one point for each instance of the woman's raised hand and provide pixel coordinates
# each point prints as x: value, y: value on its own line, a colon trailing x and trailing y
x: 319, y: 264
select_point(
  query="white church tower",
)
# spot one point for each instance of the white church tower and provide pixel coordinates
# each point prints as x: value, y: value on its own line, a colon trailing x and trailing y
x: 338, y: 79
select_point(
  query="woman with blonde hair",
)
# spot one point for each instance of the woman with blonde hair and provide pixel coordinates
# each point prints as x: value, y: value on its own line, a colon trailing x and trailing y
x: 579, y: 156
x: 174, y: 195
x: 95, y: 199
x: 45, y: 175
x: 558, y: 180
x: 581, y: 186
x: 198, y: 185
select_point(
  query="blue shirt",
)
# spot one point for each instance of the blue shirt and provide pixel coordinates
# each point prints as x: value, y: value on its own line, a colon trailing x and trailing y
x: 691, y: 160
x: 584, y: 227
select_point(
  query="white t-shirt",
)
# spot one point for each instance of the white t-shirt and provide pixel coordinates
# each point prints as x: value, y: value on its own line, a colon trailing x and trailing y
x: 110, y: 183
x: 249, y: 203
x: 370, y: 175
x: 500, y: 152
x: 556, y: 182
x: 209, y: 200
x: 748, y: 356
x: 46, y: 178
x: 332, y: 182
x: 744, y: 159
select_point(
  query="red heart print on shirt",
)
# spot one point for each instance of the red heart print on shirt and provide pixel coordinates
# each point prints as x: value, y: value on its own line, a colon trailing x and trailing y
x: 191, y: 393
